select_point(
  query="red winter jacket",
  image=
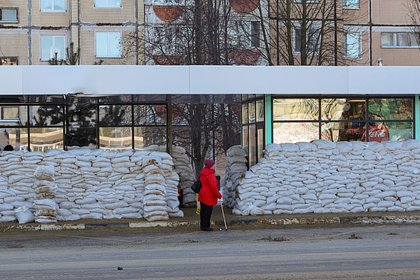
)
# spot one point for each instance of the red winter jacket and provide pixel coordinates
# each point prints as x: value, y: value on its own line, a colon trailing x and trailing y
x: 208, y: 193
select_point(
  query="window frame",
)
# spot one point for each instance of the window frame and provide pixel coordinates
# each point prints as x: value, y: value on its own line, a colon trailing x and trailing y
x: 9, y: 21
x: 53, y: 37
x: 108, y: 56
x: 95, y: 5
x: 53, y: 9
x: 394, y: 41
x: 310, y: 50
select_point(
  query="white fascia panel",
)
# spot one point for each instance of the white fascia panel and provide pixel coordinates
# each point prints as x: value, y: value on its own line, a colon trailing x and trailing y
x: 268, y: 80
x: 11, y: 80
x: 395, y: 80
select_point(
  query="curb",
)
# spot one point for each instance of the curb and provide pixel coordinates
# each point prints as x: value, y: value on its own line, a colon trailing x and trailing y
x: 343, y: 220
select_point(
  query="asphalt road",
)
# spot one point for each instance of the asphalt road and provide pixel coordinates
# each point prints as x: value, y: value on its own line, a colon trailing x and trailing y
x: 369, y: 252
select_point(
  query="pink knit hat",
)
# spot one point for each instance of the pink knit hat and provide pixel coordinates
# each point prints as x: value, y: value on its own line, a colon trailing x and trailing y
x: 208, y: 163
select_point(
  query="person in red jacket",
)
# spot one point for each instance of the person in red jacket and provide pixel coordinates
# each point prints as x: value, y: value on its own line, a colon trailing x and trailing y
x: 208, y: 194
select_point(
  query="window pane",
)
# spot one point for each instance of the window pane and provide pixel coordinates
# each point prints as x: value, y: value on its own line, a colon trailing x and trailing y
x: 46, y: 138
x: 353, y: 45
x: 147, y: 136
x: 245, y: 137
x: 403, y: 39
x: 150, y: 114
x: 297, y: 39
x: 387, y: 40
x: 354, y: 110
x: 343, y: 131
x: 252, y: 148
x: 332, y: 108
x: 260, y: 136
x: 113, y: 115
x: 59, y: 47
x: 17, y: 137
x: 114, y: 44
x: 8, y: 14
x: 115, y: 138
x: 400, y: 131
x: 46, y: 115
x: 251, y: 112
x: 244, y: 113
x: 13, y: 115
x: 260, y: 110
x: 46, y: 4
x: 351, y: 3
x: 101, y: 44
x: 60, y: 5
x: 46, y: 45
x: 107, y: 3
x: 295, y: 132
x: 391, y: 109
x: 295, y: 109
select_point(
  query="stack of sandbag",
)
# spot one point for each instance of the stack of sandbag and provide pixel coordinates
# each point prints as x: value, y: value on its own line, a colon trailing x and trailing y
x: 183, y: 168
x: 328, y: 177
x: 155, y: 206
x: 44, y: 205
x: 235, y: 171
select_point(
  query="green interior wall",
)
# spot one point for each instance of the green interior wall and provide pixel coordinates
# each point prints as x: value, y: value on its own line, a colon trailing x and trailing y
x: 268, y: 120
x: 417, y: 116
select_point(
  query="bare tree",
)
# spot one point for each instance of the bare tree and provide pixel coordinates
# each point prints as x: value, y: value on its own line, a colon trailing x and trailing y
x: 304, y: 32
x: 414, y: 15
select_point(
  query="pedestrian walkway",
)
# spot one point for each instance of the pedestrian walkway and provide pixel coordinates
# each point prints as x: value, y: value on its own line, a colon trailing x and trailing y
x: 191, y: 220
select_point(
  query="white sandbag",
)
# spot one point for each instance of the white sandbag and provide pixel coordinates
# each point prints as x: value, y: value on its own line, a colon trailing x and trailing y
x: 24, y: 215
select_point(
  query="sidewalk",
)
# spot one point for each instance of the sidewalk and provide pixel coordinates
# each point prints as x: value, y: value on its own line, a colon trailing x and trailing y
x: 191, y: 219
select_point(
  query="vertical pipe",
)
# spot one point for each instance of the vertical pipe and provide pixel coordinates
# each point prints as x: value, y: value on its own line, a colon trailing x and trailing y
x: 268, y: 120
x: 417, y: 116
x: 30, y: 32
x: 370, y: 33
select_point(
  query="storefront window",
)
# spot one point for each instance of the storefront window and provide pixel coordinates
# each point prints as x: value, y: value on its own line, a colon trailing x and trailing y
x: 252, y: 148
x: 46, y: 115
x: 260, y: 110
x: 260, y: 141
x: 155, y: 114
x: 114, y: 115
x: 245, y: 139
x: 244, y: 113
x: 344, y: 119
x: 251, y: 112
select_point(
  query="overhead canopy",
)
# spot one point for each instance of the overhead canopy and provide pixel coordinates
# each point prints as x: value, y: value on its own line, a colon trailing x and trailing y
x: 135, y: 79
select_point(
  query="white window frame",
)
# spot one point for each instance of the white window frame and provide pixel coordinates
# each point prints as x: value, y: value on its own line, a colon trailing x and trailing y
x: 52, y: 54
x: 394, y: 41
x: 108, y: 55
x: 350, y: 6
x: 16, y: 20
x: 53, y: 9
x: 109, y: 4
x: 359, y: 43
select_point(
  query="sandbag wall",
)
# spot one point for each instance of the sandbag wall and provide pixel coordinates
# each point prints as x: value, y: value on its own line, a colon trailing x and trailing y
x: 328, y: 177
x: 235, y: 170
x: 91, y: 184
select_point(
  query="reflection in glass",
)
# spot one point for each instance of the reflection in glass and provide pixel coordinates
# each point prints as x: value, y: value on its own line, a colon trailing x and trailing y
x: 391, y: 109
x: 114, y: 115
x: 343, y: 131
x: 46, y: 115
x: 295, y: 109
x: 46, y: 138
x: 251, y: 112
x: 17, y: 137
x: 252, y: 148
x: 400, y: 131
x: 149, y: 135
x: 260, y: 139
x: 333, y: 108
x: 244, y: 113
x: 295, y: 132
x: 13, y: 115
x: 245, y: 137
x: 153, y: 114
x: 260, y: 110
x: 115, y: 138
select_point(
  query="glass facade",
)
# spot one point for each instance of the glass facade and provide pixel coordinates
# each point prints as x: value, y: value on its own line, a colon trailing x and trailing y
x: 342, y: 119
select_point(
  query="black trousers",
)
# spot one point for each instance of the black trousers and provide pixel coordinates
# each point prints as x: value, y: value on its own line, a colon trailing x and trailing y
x: 205, y: 215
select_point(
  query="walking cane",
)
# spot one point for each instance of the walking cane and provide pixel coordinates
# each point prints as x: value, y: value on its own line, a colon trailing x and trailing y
x: 223, y: 214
